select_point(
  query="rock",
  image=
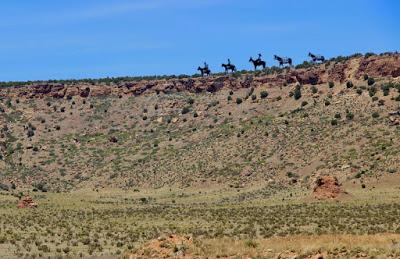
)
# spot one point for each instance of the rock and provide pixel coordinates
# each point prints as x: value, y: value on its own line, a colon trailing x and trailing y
x: 27, y: 202
x: 394, y: 121
x: 327, y: 187
x: 337, y: 72
x: 85, y: 92
x: 308, y: 77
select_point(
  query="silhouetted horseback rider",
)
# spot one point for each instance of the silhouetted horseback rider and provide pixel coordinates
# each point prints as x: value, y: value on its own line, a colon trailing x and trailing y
x: 259, y: 57
x: 258, y: 62
x: 229, y: 62
x: 205, y: 65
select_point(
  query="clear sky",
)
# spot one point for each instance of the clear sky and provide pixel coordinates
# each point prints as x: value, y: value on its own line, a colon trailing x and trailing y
x: 48, y: 39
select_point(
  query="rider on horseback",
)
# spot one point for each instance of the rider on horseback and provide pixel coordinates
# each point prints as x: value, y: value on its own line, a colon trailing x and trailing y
x: 205, y: 65
x: 259, y: 58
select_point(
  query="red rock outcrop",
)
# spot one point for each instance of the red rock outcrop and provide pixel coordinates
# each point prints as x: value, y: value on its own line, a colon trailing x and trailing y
x: 327, y: 187
x: 386, y: 65
x: 380, y: 66
x: 27, y: 202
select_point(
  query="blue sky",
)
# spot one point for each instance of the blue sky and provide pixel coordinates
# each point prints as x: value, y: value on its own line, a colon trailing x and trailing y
x: 47, y: 39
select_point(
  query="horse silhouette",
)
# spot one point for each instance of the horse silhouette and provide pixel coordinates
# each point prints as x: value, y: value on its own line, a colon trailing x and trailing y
x: 283, y: 60
x: 204, y: 70
x: 229, y: 66
x: 257, y: 62
x: 316, y: 58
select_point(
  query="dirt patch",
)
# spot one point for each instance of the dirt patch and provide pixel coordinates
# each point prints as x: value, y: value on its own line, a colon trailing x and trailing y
x: 27, y: 202
x: 327, y: 187
x: 173, y: 246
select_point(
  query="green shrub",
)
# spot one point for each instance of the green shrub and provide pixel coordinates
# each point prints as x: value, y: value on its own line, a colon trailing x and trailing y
x: 239, y: 100
x: 372, y: 91
x: 229, y: 98
x: 4, y: 187
x: 366, y: 77
x: 359, y: 91
x: 349, y: 84
x: 185, y: 110
x: 386, y: 89
x: 338, y: 116
x: 263, y: 94
x: 314, y: 90
x: 297, y: 92
x: 375, y: 115
x: 304, y: 103
x: 371, y: 81
x: 291, y: 175
x: 331, y: 84
x: 334, y: 122
x: 253, y: 97
x: 349, y: 115
x: 190, y: 101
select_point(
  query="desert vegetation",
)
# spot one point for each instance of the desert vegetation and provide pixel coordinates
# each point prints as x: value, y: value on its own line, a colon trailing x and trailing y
x: 113, y: 163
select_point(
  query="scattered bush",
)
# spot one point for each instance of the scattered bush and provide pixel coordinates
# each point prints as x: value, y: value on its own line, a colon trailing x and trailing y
x: 386, y: 89
x: 291, y: 175
x: 190, y: 101
x: 263, y: 94
x: 349, y: 116
x: 239, y: 100
x: 371, y: 81
x: 349, y: 84
x: 372, y: 91
x: 185, y: 110
x: 331, y: 84
x: 314, y: 90
x: 4, y: 187
x: 375, y: 115
x: 297, y: 92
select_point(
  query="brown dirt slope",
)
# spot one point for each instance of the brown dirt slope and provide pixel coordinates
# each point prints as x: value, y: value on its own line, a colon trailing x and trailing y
x: 279, y: 127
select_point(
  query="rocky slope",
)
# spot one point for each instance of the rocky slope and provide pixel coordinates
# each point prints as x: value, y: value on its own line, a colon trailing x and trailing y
x: 387, y: 65
x: 278, y: 127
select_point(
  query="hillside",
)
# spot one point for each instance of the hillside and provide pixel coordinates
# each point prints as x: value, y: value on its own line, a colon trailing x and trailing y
x: 278, y: 127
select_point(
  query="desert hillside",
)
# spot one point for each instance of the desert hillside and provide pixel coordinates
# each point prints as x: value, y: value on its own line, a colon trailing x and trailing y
x: 279, y: 163
x: 277, y: 127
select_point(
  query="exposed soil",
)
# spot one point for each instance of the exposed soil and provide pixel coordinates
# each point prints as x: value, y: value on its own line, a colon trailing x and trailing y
x: 327, y: 187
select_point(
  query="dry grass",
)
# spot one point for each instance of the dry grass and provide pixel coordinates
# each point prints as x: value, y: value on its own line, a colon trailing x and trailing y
x: 299, y: 244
